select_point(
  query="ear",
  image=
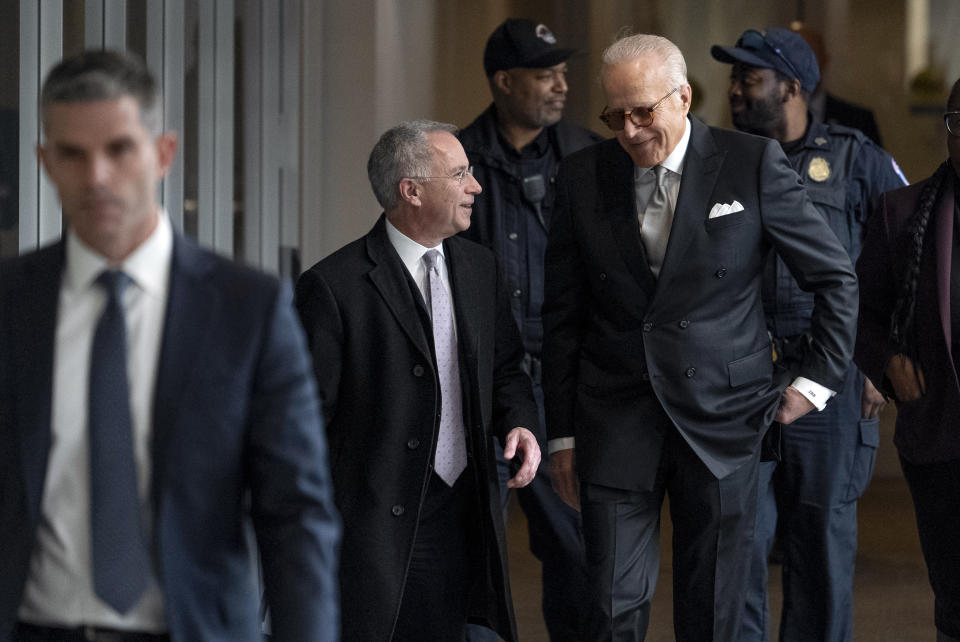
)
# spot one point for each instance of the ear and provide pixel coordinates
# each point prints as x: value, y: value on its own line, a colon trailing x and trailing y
x: 792, y: 89
x: 502, y: 81
x: 686, y: 97
x: 166, y: 151
x: 410, y: 191
x: 42, y: 157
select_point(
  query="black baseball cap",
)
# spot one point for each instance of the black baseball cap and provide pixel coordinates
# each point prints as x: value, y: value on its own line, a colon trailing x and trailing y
x: 519, y: 42
x: 775, y: 48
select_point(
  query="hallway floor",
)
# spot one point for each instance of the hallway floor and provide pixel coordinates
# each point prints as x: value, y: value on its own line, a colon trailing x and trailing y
x: 893, y: 601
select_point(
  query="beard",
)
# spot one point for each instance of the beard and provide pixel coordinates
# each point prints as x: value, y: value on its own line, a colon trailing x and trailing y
x: 761, y: 116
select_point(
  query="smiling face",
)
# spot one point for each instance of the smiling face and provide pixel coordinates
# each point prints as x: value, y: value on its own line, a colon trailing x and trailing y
x: 106, y: 165
x: 756, y: 100
x: 445, y: 203
x: 534, y: 98
x: 641, y: 82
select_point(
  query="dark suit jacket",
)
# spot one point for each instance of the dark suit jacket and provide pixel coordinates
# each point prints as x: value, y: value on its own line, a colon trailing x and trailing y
x: 696, y: 336
x: 236, y: 432
x: 381, y: 398
x: 926, y: 429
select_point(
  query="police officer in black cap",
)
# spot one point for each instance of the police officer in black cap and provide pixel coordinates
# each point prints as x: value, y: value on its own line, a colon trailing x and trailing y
x: 827, y: 457
x: 515, y: 147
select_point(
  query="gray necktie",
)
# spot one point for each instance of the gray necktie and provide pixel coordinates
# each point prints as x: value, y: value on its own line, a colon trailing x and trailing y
x: 656, y: 222
x: 121, y: 563
x: 451, y: 454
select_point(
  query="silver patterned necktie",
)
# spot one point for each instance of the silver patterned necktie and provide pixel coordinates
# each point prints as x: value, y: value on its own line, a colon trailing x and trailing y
x: 451, y: 454
x: 656, y: 223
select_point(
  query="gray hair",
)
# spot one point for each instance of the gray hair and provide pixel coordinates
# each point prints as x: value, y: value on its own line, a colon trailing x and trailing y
x: 403, y: 151
x: 639, y: 45
x: 103, y: 74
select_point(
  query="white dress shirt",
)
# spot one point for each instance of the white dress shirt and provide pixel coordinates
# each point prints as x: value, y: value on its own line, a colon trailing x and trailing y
x: 644, y: 184
x: 411, y: 254
x: 59, y: 590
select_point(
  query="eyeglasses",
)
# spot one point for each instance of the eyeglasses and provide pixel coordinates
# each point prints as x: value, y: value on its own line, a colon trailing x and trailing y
x: 639, y: 116
x: 952, y: 120
x: 753, y: 39
x: 459, y: 176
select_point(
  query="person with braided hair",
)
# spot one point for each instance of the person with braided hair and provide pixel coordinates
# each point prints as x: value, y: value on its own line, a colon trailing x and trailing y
x: 907, y: 343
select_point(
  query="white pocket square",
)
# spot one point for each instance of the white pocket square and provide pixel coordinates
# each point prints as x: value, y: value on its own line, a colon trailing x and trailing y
x: 722, y: 209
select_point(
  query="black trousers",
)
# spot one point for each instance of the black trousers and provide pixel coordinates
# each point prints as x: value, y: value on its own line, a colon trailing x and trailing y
x: 936, y: 500
x: 443, y: 566
x: 713, y: 526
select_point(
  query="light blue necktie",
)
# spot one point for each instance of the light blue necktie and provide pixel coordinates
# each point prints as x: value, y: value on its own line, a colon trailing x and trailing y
x: 121, y: 564
x: 451, y: 454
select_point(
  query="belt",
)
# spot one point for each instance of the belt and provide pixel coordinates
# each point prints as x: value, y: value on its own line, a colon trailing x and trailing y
x: 25, y: 632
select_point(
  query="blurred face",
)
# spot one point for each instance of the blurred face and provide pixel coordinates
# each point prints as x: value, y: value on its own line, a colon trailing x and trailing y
x: 641, y: 82
x: 535, y: 97
x: 106, y: 165
x: 756, y: 100
x: 445, y: 203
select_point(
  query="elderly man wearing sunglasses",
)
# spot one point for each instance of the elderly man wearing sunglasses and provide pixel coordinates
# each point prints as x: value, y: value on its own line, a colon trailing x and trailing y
x: 658, y: 373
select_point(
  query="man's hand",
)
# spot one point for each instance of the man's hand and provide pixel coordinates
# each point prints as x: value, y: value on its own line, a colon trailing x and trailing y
x: 522, y: 440
x: 906, y: 379
x: 872, y: 401
x: 793, y: 405
x: 563, y: 477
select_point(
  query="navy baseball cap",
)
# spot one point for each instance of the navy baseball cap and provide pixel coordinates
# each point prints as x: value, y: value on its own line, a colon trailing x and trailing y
x: 779, y: 49
x: 522, y: 43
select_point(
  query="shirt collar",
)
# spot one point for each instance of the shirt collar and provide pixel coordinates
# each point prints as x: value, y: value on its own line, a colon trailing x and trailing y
x: 148, y: 266
x: 409, y: 250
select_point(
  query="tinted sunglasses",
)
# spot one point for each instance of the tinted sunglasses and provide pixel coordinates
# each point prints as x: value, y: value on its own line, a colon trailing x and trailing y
x: 640, y: 116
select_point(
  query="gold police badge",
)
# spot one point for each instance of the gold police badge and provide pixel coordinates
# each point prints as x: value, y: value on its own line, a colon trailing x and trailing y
x: 819, y: 169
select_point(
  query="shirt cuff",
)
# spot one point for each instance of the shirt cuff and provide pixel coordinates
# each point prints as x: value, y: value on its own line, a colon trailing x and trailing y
x: 563, y: 443
x: 813, y: 391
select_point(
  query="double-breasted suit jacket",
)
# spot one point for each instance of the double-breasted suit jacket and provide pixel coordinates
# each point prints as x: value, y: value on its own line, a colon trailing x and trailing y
x: 236, y: 431
x: 695, y: 337
x: 926, y: 428
x: 367, y: 328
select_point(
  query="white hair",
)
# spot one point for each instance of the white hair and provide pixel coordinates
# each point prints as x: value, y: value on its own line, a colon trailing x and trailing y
x: 643, y: 44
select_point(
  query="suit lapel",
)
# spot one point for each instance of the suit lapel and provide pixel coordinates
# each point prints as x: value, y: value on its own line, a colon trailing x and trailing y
x: 391, y: 279
x: 944, y: 221
x: 700, y: 171
x: 617, y: 205
x: 35, y: 304
x: 189, y: 325
x: 466, y: 298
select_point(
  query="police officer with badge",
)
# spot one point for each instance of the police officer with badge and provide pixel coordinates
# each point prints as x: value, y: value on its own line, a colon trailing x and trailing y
x: 826, y: 458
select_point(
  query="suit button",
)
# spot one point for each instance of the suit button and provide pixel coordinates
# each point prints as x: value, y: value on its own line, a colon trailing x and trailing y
x: 513, y: 236
x: 413, y: 443
x: 517, y: 293
x: 418, y: 370
x: 603, y: 276
x: 722, y: 272
x: 647, y: 327
x: 690, y: 372
x: 398, y: 510
x: 683, y: 323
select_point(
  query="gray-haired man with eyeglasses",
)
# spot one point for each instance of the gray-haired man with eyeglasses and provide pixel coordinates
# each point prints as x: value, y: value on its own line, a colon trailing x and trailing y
x: 657, y: 366
x: 419, y: 366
